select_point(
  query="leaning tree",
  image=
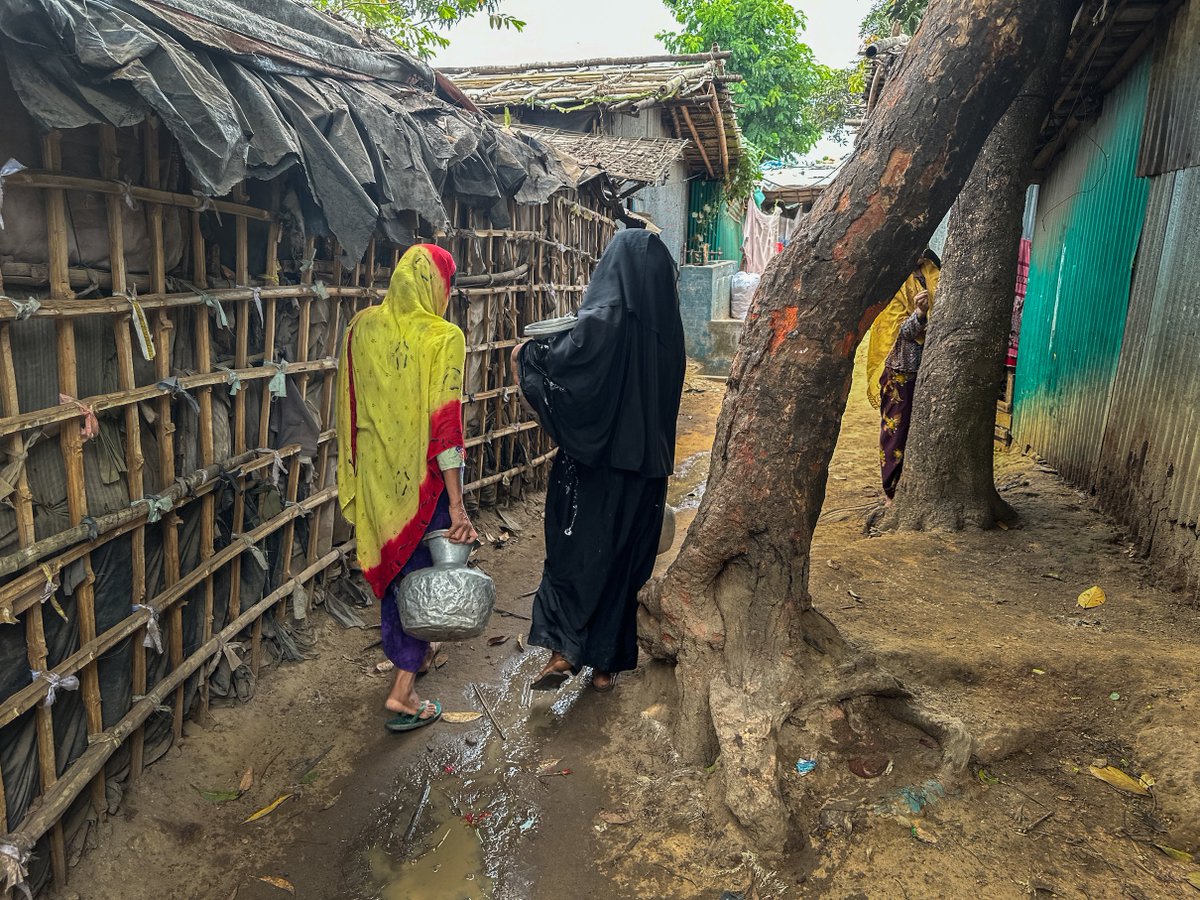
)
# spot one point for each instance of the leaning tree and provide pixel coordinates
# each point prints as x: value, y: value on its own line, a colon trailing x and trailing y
x: 949, y: 479
x: 733, y: 611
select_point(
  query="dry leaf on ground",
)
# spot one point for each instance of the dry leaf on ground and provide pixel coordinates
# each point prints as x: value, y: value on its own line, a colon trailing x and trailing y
x: 1118, y: 779
x: 275, y: 881
x: 460, y: 718
x: 1092, y: 597
x: 247, y: 780
x: 267, y: 810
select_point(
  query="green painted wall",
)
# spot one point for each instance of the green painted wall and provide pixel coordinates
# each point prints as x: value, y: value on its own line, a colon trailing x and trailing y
x: 1089, y: 221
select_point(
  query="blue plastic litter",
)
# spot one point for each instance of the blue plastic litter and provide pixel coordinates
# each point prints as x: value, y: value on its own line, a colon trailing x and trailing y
x: 804, y: 766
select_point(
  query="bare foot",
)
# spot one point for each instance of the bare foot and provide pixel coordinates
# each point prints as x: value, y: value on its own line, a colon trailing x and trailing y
x: 558, y: 663
x: 404, y: 699
x: 603, y: 681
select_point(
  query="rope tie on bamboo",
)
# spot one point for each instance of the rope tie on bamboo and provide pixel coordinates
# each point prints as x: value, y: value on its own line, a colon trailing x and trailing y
x: 304, y: 513
x: 127, y: 194
x: 55, y: 684
x: 13, y: 871
x: 49, y: 591
x: 277, y: 466
x: 23, y: 308
x: 320, y: 290
x: 207, y: 205
x: 278, y: 383
x: 158, y: 506
x: 175, y: 388
x: 256, y: 551
x: 233, y: 379
x: 231, y: 652
x: 104, y: 737
x: 215, y: 305
x: 160, y: 708
x: 230, y: 480
x: 90, y: 426
x: 141, y: 325
x: 153, y: 636
x: 12, y: 167
x: 256, y: 294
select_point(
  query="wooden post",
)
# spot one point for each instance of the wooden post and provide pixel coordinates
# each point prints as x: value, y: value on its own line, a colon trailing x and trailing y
x: 687, y: 118
x: 719, y: 122
x: 35, y: 638
x: 165, y: 427
x: 208, y: 509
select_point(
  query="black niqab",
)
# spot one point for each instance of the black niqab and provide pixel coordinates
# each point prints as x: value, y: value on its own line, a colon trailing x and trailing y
x: 608, y: 391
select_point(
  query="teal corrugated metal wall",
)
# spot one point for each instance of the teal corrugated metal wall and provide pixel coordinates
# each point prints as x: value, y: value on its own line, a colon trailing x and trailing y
x: 711, y: 222
x: 1090, y: 213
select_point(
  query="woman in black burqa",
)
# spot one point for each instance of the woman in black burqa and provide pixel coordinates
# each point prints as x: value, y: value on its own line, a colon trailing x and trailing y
x: 608, y: 394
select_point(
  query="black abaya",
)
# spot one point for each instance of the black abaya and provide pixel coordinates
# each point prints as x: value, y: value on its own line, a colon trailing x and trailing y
x: 608, y: 393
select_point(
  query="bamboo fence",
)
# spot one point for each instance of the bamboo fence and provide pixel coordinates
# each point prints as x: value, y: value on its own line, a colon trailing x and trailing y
x: 205, y: 349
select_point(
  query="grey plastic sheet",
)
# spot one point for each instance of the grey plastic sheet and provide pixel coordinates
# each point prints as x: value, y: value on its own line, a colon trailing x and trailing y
x: 253, y: 96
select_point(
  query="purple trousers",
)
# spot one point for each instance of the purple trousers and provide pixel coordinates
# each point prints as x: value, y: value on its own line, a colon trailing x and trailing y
x: 407, y: 653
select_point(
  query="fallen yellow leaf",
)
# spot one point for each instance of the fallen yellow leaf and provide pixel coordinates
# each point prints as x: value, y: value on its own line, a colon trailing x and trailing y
x: 1177, y: 855
x: 1118, y: 779
x: 267, y: 810
x: 1194, y: 879
x: 1092, y: 597
x: 282, y: 883
x: 459, y: 718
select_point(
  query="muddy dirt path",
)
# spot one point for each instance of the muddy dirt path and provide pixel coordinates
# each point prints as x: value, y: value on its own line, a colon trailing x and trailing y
x: 984, y: 626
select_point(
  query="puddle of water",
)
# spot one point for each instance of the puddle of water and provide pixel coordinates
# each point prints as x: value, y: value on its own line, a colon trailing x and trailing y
x: 691, y: 478
x: 483, y: 800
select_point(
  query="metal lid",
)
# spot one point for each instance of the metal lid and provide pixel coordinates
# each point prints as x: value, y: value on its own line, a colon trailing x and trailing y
x: 548, y: 327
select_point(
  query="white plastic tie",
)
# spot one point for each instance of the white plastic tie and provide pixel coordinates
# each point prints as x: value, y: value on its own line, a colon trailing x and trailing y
x: 55, y: 684
x: 153, y: 638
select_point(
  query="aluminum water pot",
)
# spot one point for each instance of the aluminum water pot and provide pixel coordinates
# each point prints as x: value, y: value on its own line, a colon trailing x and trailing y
x: 448, y: 601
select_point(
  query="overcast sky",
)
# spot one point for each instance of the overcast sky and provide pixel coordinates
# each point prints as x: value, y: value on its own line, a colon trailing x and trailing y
x: 580, y: 29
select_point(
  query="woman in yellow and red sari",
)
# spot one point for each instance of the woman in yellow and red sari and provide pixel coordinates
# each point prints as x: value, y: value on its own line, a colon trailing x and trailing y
x: 400, y: 441
x: 893, y: 357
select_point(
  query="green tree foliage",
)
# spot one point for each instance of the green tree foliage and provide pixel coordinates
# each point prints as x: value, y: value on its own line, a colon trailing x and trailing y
x: 886, y: 13
x: 787, y: 97
x: 418, y: 26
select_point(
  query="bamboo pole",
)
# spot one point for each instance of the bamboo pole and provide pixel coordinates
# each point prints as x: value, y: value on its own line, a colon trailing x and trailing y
x: 208, y: 506
x: 15, y: 594
x: 25, y: 699
x: 56, y: 803
x: 719, y: 120
x: 165, y: 427
x: 35, y: 637
x: 57, y: 181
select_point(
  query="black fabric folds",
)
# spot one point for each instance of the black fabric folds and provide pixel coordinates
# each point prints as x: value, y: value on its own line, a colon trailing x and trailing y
x: 608, y: 391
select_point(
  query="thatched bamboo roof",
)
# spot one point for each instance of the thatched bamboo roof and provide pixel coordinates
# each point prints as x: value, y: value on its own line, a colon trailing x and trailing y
x: 691, y: 93
x: 641, y: 160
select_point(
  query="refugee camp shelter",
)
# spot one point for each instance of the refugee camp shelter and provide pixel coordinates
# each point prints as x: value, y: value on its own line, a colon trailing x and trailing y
x: 680, y: 104
x: 197, y: 198
x: 1108, y: 351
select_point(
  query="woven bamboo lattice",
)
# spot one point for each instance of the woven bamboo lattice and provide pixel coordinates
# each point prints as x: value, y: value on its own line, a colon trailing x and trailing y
x: 692, y: 93
x: 641, y: 160
x: 185, y: 412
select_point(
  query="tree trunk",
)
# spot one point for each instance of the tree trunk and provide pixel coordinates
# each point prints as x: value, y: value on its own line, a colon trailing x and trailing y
x: 948, y: 479
x: 734, y: 610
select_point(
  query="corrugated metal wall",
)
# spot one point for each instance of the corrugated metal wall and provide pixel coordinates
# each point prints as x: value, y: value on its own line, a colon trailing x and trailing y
x: 1172, y: 132
x: 712, y: 223
x: 1150, y: 469
x: 1090, y: 213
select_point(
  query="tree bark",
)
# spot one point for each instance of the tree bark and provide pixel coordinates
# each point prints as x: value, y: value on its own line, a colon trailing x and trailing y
x: 948, y: 480
x: 733, y: 610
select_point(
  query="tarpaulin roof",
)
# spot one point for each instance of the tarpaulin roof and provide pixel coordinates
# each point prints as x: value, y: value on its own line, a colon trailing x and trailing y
x: 252, y: 92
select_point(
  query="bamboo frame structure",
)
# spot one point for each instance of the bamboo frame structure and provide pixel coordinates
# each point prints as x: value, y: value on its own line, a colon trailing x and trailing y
x: 207, y: 332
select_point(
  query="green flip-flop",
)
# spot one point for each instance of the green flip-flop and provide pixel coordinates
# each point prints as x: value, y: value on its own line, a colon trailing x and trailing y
x: 411, y: 721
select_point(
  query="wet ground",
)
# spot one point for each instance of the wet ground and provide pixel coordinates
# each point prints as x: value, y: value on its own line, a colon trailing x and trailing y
x: 983, y: 626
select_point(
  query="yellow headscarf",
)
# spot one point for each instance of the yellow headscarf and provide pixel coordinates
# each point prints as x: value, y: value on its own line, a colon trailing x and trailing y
x: 887, y: 327
x: 399, y: 406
